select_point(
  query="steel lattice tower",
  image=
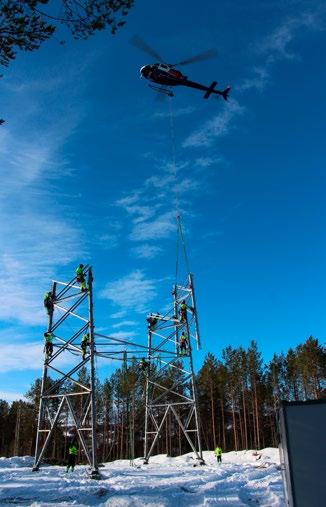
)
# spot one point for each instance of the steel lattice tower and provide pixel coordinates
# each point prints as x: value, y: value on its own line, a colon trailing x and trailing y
x: 63, y: 396
x: 178, y: 396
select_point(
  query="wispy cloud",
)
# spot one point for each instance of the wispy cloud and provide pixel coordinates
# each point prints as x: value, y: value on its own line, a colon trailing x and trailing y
x: 160, y: 228
x: 11, y: 396
x: 207, y: 161
x: 276, y: 46
x: 124, y: 323
x: 218, y: 126
x: 146, y: 251
x: 33, y: 226
x: 131, y: 292
x: 181, y: 111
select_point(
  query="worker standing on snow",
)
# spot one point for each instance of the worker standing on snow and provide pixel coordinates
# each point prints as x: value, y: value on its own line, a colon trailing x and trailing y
x: 72, y: 453
x: 218, y: 454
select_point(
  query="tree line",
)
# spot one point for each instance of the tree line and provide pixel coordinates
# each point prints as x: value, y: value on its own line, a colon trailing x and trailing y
x: 238, y: 398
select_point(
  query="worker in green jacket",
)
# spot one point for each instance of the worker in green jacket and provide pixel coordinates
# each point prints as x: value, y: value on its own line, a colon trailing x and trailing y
x: 48, y: 302
x: 86, y: 341
x: 218, y: 454
x: 72, y: 454
x: 183, y: 343
x: 143, y: 364
x: 48, y: 338
x: 183, y: 311
x: 80, y: 277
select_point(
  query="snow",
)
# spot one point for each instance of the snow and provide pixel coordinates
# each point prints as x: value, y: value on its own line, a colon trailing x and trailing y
x: 244, y: 478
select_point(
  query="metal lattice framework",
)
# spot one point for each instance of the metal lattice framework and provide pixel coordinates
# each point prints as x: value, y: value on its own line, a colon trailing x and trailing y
x: 166, y: 361
x: 64, y: 396
x: 68, y: 395
x: 66, y: 399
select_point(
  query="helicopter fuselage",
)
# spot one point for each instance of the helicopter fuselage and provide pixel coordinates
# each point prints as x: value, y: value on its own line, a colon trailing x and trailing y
x: 167, y: 75
x: 163, y: 74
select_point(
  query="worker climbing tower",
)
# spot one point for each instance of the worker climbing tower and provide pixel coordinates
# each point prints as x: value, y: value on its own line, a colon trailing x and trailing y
x: 67, y: 397
x: 171, y: 397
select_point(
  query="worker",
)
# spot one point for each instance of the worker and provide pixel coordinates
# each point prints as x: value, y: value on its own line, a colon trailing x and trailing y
x: 152, y: 321
x: 48, y: 337
x: 86, y: 341
x: 80, y: 277
x: 183, y: 311
x: 48, y: 302
x: 218, y: 454
x: 72, y: 453
x: 143, y: 365
x: 183, y: 343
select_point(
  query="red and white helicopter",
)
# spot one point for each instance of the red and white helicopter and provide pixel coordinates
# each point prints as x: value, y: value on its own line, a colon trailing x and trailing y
x: 166, y: 75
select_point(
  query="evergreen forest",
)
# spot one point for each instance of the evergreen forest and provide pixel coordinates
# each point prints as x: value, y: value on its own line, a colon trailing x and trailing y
x: 238, y: 398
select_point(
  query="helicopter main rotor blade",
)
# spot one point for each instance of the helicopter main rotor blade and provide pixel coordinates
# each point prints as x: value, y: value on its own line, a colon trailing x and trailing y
x: 206, y: 55
x: 139, y: 43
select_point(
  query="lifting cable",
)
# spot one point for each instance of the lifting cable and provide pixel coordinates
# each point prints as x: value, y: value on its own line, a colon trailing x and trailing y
x: 180, y: 235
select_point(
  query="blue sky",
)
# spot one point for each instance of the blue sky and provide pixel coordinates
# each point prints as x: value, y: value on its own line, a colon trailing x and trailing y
x: 85, y: 160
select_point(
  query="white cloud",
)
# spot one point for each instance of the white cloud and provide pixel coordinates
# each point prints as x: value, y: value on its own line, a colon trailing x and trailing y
x: 207, y: 161
x: 259, y: 79
x: 131, y: 292
x: 181, y: 111
x: 11, y: 396
x: 124, y: 323
x: 123, y: 334
x: 36, y: 234
x: 118, y: 315
x: 277, y: 43
x: 216, y: 127
x: 28, y: 356
x: 146, y: 251
x: 159, y: 228
x: 276, y: 46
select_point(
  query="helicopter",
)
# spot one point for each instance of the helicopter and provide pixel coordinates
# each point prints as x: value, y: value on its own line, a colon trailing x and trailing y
x: 166, y: 75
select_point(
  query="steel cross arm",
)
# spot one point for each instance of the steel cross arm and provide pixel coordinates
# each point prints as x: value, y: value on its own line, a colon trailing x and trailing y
x: 162, y: 343
x: 152, y: 417
x: 39, y: 458
x: 70, y: 311
x: 66, y: 285
x: 174, y: 403
x: 125, y: 342
x: 157, y: 434
x: 65, y: 376
x: 173, y: 366
x: 164, y: 318
x: 168, y: 390
x: 87, y: 410
x: 72, y: 296
x: 69, y: 342
x: 81, y: 436
x: 185, y: 433
x: 69, y: 284
x: 48, y: 396
x: 191, y: 413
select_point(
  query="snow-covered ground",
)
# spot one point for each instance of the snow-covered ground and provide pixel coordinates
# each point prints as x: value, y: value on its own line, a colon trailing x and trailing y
x: 242, y: 479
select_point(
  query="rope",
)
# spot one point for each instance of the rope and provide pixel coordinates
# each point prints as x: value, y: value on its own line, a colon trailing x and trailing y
x: 173, y: 150
x: 177, y: 200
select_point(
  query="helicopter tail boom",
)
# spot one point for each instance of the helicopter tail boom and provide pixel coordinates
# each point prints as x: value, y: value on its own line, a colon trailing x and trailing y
x: 210, y: 90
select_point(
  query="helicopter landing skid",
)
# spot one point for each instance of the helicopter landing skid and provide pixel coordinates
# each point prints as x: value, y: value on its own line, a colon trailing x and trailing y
x: 160, y: 89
